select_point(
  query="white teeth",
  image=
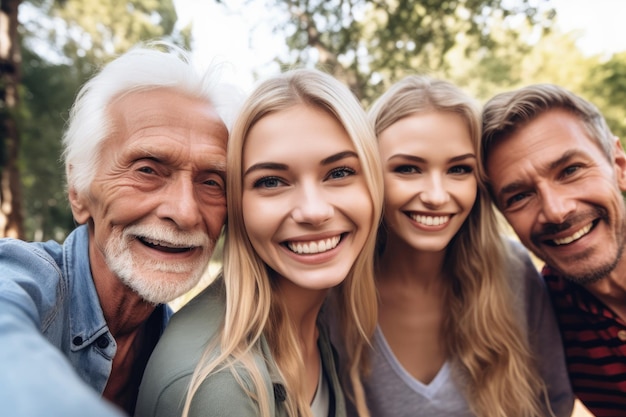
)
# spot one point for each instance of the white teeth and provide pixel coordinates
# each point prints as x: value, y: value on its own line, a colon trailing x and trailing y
x: 569, y: 239
x: 430, y: 220
x: 318, y: 246
x: 162, y: 243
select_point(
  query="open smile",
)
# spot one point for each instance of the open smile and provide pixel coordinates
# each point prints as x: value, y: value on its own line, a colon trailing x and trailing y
x: 313, y: 246
x: 429, y: 220
x: 164, y: 246
x: 574, y: 236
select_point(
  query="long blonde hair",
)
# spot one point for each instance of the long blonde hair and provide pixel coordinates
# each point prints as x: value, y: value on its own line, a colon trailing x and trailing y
x: 485, y: 340
x: 252, y: 308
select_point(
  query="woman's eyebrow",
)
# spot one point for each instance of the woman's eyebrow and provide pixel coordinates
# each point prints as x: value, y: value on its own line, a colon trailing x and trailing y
x: 339, y: 156
x: 266, y: 165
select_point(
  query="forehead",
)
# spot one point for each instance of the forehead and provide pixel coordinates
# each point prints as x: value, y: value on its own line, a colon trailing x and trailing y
x: 165, y: 121
x: 297, y: 134
x: 433, y: 132
x: 536, y: 146
x: 554, y: 128
x: 163, y: 108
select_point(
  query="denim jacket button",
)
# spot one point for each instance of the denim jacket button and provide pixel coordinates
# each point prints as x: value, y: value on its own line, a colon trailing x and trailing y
x: 102, y: 342
x: 77, y: 341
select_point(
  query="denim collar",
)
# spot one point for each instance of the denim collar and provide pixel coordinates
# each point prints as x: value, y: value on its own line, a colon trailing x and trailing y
x: 87, y: 322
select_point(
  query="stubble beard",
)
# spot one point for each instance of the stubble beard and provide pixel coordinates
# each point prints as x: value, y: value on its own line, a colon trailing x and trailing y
x: 602, y: 271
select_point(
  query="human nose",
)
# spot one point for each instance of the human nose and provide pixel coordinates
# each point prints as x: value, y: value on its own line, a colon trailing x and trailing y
x: 555, y: 206
x: 312, y: 206
x: 434, y: 192
x: 179, y: 204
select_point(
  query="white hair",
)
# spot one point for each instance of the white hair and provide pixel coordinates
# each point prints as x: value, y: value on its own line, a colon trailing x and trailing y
x: 143, y: 67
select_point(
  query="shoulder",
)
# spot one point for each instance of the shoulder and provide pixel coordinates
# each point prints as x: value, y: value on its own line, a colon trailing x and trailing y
x: 220, y: 394
x: 17, y: 254
x: 521, y: 270
x: 169, y: 371
x: 32, y: 278
x: 185, y: 338
x: 42, y: 261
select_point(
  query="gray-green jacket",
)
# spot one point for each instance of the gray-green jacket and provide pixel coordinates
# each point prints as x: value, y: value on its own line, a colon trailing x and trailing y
x: 166, y: 379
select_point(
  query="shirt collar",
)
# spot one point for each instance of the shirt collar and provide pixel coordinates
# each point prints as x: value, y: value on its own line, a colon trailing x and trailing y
x: 87, y: 322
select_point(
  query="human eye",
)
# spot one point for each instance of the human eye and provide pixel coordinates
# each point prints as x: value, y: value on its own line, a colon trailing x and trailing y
x: 340, y: 172
x: 215, y: 184
x: 570, y: 170
x: 406, y: 169
x: 515, y: 200
x: 461, y: 169
x: 268, y: 182
x: 146, y: 169
x: 146, y: 165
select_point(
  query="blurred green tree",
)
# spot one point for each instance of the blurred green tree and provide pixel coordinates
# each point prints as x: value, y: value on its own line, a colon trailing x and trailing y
x: 607, y: 87
x: 370, y: 44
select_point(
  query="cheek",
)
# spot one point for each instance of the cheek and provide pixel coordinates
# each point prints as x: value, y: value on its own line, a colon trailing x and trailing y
x: 522, y: 225
x: 215, y: 217
x: 259, y: 218
x: 356, y: 203
x: 467, y: 192
x: 398, y: 193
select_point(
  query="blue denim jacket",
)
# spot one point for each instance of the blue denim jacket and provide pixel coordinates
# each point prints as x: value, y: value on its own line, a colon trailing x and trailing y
x: 56, y: 350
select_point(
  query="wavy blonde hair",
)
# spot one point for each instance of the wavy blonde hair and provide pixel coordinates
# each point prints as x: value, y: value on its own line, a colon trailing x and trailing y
x: 485, y: 341
x: 253, y: 308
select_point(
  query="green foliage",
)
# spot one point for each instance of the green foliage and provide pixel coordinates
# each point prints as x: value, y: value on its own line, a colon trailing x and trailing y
x: 370, y: 44
x: 48, y: 91
x: 607, y: 85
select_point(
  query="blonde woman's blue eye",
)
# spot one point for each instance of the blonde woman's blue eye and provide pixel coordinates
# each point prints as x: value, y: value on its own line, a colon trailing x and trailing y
x: 268, y: 182
x: 342, y: 172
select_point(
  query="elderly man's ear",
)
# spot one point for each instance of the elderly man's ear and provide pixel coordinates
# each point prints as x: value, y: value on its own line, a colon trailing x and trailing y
x: 80, y: 209
x: 78, y: 203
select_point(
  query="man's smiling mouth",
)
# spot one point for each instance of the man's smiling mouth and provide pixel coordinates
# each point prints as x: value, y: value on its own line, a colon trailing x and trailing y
x: 571, y: 238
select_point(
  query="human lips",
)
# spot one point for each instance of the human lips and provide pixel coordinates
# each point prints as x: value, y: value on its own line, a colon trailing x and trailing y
x: 165, y: 246
x: 167, y: 240
x: 313, y: 246
x: 574, y: 236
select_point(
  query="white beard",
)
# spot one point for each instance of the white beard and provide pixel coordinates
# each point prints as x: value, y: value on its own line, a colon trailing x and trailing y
x: 157, y: 282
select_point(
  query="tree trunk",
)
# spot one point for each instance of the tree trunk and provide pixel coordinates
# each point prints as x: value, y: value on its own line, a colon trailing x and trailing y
x: 11, y: 216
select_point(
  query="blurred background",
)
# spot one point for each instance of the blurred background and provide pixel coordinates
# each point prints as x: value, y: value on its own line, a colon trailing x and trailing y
x: 48, y: 48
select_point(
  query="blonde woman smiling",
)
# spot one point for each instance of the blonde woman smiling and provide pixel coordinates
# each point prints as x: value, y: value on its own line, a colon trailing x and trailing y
x: 304, y: 197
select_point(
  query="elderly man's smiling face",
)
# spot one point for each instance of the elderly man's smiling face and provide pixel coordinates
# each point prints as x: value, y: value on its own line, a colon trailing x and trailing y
x: 157, y: 203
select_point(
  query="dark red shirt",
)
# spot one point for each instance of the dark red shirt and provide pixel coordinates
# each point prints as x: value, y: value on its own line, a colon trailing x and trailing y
x: 595, y: 346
